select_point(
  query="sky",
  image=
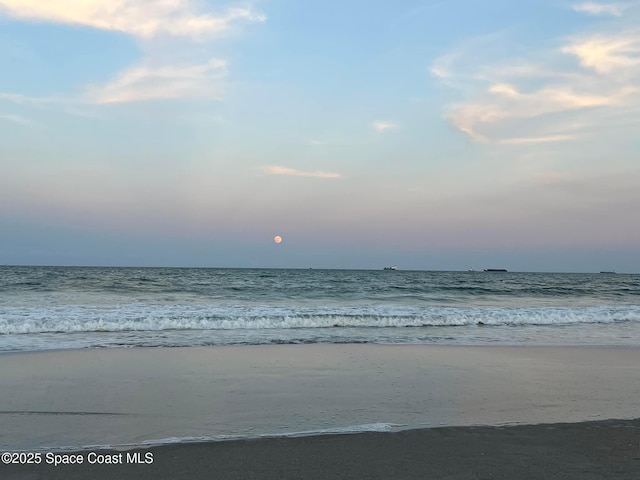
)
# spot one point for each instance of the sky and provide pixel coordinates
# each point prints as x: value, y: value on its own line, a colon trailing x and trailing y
x: 435, y: 135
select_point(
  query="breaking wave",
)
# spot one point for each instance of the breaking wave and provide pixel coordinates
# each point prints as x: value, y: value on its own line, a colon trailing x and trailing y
x: 122, y: 318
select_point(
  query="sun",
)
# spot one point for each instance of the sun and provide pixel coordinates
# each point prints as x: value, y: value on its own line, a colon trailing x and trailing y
x: 277, y: 239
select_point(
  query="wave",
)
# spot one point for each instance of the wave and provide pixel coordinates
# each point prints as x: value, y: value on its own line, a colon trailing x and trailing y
x: 339, y: 430
x: 123, y: 318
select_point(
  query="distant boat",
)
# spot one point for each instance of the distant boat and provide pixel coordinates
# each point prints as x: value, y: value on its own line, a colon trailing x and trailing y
x: 495, y: 270
x: 471, y: 270
x: 607, y: 271
x: 393, y: 267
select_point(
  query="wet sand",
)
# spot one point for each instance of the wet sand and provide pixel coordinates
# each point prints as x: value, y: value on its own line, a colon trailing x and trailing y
x: 125, y: 397
x: 129, y: 396
x: 585, y: 451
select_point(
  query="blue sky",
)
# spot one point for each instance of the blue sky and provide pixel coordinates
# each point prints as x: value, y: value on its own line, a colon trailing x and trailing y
x: 428, y: 134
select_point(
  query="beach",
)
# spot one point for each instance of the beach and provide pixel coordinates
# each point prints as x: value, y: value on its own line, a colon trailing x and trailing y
x: 256, y: 411
x: 592, y: 450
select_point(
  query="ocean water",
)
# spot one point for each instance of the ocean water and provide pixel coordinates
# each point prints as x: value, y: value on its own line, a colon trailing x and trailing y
x: 44, y: 308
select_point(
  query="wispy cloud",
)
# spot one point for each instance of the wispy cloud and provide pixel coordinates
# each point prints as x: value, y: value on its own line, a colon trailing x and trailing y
x: 551, y: 138
x: 20, y: 99
x: 441, y: 68
x: 544, y: 96
x: 71, y: 105
x: 279, y: 170
x: 164, y: 82
x: 593, y: 8
x: 492, y: 118
x: 20, y: 120
x: 381, y: 126
x: 607, y: 53
x: 134, y: 17
x: 158, y: 76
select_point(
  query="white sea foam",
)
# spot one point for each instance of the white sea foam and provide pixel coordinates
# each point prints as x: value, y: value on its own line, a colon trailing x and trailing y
x: 139, y: 318
x: 348, y: 429
x: 340, y: 430
x: 369, y: 427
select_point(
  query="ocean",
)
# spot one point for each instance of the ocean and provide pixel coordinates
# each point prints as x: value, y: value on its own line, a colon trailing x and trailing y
x: 44, y: 308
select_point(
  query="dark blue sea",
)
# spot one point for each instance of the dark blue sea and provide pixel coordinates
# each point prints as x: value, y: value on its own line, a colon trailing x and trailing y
x: 45, y: 308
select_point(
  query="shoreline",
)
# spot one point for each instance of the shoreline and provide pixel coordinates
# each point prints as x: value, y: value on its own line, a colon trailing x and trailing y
x: 326, y: 344
x: 135, y: 395
x: 607, y: 449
